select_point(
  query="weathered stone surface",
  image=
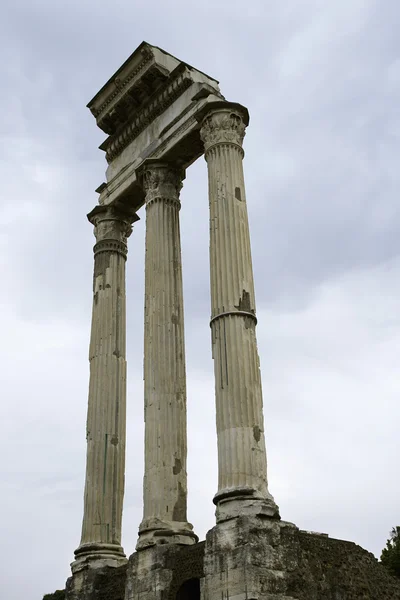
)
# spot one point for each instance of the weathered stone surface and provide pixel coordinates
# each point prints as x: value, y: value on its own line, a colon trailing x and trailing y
x: 244, y: 559
x: 106, y: 420
x: 242, y: 459
x: 249, y: 557
x: 165, y: 478
x: 107, y: 583
x: 330, y: 569
x: 253, y: 558
x: 158, y: 572
x: 148, y: 108
x: 266, y: 559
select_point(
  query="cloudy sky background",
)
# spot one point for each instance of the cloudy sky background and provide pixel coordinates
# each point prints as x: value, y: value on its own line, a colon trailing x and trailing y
x: 321, y: 81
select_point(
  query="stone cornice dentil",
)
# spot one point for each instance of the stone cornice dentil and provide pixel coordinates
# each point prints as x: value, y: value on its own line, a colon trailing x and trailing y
x: 122, y: 85
x: 161, y: 182
x: 223, y: 126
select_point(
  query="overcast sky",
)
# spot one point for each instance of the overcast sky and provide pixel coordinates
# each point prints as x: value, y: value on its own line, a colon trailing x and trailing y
x: 321, y: 81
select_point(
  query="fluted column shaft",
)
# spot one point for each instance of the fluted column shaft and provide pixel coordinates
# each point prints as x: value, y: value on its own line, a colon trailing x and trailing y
x: 106, y: 418
x: 165, y: 478
x: 242, y: 459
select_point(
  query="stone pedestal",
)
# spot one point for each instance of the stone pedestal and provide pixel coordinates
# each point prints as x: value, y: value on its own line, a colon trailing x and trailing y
x: 166, y: 572
x: 242, y: 459
x: 106, y: 419
x: 165, y: 478
x: 101, y: 583
x: 250, y: 558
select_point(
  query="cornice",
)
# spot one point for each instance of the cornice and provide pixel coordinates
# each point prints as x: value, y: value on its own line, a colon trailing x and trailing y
x: 120, y: 85
x: 160, y: 101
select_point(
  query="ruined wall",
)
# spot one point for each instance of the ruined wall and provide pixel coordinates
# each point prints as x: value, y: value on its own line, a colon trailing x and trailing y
x: 158, y: 572
x: 277, y: 560
x: 330, y: 569
x: 265, y: 559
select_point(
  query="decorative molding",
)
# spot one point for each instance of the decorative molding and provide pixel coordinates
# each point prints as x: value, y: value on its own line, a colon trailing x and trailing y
x: 215, y: 149
x: 164, y: 200
x: 156, y: 107
x: 222, y: 126
x: 120, y: 85
x: 235, y: 313
x: 111, y: 246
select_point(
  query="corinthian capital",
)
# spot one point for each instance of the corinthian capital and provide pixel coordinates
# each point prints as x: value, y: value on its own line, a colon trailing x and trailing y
x: 223, y: 126
x: 111, y: 223
x: 161, y: 182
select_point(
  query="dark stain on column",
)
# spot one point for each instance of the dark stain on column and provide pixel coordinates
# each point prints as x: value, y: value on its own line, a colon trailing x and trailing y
x: 179, y: 513
x: 238, y: 195
x: 225, y: 354
x: 177, y: 468
x: 104, y: 479
x: 244, y: 302
x: 219, y: 346
x: 249, y: 323
x: 101, y: 263
x: 257, y: 433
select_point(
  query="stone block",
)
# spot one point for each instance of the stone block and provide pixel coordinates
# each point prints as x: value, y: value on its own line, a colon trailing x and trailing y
x: 104, y: 583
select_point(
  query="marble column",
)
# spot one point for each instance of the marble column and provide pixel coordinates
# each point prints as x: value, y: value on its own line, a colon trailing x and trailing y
x: 242, y: 459
x: 106, y: 419
x: 165, y: 478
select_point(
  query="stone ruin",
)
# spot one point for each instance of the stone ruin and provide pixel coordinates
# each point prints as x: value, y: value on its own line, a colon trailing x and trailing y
x: 160, y: 115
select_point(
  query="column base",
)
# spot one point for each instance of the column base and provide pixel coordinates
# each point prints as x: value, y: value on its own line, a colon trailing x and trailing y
x: 96, y: 556
x: 153, y: 532
x: 237, y: 502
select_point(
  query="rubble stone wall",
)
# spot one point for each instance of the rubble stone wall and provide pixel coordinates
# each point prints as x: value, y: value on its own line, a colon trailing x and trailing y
x: 277, y: 560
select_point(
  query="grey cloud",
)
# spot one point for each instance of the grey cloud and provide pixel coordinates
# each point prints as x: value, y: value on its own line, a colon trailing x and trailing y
x: 322, y: 86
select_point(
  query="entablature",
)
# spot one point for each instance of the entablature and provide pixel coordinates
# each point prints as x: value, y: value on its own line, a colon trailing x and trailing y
x: 149, y: 109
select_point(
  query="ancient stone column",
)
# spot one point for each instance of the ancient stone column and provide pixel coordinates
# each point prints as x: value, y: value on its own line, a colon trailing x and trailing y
x: 106, y: 419
x: 165, y: 478
x: 242, y: 460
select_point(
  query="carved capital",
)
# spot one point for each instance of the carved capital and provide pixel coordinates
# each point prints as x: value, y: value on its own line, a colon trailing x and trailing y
x: 161, y: 182
x: 112, y: 227
x: 224, y: 126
